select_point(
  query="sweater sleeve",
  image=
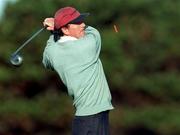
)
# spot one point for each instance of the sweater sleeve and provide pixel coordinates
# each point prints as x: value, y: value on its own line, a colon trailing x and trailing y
x: 93, y: 34
x: 91, y: 30
x: 47, y: 62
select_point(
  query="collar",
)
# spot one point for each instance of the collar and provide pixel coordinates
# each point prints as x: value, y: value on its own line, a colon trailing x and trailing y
x: 66, y: 38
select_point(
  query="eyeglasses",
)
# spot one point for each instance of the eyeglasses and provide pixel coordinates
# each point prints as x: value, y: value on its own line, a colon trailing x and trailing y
x: 74, y: 22
x: 77, y: 23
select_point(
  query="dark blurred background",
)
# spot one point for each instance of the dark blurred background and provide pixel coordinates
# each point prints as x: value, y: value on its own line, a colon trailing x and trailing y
x: 141, y: 62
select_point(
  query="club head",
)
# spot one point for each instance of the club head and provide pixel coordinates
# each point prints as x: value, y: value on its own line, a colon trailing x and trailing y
x: 16, y: 60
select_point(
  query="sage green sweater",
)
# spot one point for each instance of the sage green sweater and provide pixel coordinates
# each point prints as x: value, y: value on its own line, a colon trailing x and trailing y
x: 77, y: 63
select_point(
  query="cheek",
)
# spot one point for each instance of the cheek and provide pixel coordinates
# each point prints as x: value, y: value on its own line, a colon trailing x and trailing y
x: 72, y: 32
x: 78, y: 32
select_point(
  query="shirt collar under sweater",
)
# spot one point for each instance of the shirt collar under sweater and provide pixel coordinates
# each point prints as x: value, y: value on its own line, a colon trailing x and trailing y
x: 66, y: 38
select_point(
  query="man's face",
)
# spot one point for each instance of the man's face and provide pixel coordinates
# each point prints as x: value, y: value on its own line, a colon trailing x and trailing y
x: 75, y: 30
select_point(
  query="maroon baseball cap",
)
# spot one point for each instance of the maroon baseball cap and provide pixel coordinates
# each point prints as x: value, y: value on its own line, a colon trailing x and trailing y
x: 68, y: 15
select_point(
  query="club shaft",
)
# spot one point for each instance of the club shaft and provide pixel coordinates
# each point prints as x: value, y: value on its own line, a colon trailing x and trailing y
x: 27, y: 41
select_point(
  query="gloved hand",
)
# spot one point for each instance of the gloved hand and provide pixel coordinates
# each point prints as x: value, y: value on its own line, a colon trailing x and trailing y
x: 49, y: 23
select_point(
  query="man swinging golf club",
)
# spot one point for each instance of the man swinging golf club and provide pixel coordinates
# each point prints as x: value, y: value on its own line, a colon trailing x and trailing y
x: 73, y: 52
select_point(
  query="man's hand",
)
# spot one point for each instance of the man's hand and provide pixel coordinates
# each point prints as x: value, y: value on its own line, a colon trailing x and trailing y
x: 49, y: 23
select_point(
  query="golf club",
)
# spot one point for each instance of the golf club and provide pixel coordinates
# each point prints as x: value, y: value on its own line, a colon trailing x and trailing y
x: 15, y: 58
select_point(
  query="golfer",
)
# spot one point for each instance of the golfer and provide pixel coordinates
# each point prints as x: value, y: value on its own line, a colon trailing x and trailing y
x: 73, y: 52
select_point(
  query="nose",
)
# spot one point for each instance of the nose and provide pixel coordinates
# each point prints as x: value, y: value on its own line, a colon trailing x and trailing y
x: 83, y: 25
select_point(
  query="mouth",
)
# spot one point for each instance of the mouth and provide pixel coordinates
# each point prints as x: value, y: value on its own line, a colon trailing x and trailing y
x: 83, y: 30
x: 82, y: 33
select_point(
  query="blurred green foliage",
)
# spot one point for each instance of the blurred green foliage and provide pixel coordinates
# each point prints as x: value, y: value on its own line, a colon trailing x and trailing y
x: 141, y: 62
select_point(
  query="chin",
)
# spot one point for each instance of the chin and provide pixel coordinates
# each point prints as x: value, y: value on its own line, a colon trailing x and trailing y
x: 82, y: 35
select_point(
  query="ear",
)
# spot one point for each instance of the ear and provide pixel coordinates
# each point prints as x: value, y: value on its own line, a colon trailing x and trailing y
x: 65, y: 30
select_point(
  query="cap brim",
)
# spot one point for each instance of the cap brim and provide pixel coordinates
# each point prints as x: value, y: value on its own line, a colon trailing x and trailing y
x: 80, y: 18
